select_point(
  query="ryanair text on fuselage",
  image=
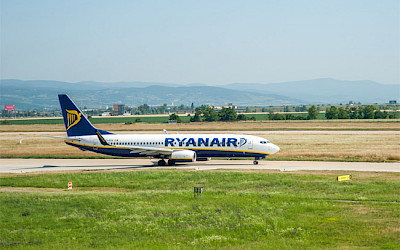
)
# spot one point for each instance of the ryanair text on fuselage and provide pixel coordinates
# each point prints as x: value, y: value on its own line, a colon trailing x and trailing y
x: 199, y: 142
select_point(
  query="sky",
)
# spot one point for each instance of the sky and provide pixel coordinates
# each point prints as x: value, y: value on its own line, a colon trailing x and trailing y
x: 212, y: 42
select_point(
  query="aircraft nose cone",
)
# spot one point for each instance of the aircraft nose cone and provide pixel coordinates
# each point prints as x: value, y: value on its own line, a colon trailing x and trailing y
x: 274, y: 148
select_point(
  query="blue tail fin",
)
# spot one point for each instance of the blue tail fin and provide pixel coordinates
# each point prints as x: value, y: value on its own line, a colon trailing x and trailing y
x: 75, y: 122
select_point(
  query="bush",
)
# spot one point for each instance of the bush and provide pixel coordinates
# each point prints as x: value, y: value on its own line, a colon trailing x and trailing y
x: 242, y: 117
x: 175, y: 117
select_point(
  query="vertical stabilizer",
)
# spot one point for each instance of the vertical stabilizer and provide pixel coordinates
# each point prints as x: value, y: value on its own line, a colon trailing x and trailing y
x: 75, y: 122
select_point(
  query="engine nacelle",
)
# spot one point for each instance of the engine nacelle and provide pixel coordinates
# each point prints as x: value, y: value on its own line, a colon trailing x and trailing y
x: 183, y: 156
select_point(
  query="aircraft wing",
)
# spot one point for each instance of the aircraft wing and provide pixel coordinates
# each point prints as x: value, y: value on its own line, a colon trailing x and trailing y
x: 153, y: 151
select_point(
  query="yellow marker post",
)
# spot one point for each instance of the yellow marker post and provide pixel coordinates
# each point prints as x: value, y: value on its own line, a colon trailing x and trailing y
x: 343, y: 178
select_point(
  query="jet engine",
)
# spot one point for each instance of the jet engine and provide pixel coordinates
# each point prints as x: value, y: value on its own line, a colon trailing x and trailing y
x: 183, y: 156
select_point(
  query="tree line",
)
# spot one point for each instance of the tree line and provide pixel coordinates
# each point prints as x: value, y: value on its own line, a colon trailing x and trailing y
x: 209, y: 114
x: 360, y: 112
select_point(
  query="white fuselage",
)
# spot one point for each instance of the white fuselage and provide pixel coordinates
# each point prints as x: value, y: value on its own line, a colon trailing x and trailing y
x: 205, y: 145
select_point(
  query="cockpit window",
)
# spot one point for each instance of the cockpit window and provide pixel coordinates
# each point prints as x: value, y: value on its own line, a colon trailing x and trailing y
x: 265, y: 142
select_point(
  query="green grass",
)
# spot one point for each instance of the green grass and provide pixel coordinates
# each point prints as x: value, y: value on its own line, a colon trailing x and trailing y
x: 160, y: 119
x: 156, y: 209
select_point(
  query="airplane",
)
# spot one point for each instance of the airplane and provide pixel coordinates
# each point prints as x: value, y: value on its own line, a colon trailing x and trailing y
x: 174, y: 148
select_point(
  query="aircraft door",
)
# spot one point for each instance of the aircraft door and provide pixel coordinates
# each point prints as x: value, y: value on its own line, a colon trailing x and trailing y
x: 250, y: 143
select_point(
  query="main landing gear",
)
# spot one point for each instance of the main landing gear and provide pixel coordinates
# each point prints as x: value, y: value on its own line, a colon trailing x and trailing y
x: 255, y: 162
x: 163, y: 163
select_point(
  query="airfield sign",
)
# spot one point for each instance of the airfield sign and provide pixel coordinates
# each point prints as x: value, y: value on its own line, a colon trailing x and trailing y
x: 343, y: 178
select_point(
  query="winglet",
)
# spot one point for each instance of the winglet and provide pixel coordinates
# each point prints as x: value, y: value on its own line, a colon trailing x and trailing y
x: 101, y: 138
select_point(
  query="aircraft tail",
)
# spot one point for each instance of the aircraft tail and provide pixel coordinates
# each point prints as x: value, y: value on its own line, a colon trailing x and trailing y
x: 75, y: 122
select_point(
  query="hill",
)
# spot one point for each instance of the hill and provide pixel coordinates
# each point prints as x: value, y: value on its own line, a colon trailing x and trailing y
x: 38, y: 94
x: 327, y: 90
x: 29, y: 95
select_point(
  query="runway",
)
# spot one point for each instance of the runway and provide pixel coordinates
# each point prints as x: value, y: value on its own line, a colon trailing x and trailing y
x: 49, y: 165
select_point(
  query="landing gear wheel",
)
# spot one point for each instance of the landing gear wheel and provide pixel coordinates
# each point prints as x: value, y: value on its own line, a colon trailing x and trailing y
x: 255, y: 162
x: 161, y: 163
x: 171, y: 162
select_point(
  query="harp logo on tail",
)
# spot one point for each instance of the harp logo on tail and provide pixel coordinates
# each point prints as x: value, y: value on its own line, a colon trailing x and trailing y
x: 73, y: 117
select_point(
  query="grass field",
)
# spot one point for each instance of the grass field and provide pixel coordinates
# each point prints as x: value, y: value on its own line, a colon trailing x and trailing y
x: 97, y: 120
x: 156, y: 209
x: 376, y: 146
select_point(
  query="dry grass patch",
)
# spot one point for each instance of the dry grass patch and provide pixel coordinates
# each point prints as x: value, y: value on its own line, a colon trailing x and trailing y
x: 364, y: 147
x: 34, y: 145
x: 319, y: 145
x: 224, y: 126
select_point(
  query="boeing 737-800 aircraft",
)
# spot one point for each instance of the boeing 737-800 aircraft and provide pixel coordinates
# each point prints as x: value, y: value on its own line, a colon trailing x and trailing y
x: 172, y: 147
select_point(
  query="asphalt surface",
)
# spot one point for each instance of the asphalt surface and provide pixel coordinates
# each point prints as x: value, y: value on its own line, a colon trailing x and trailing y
x: 48, y: 165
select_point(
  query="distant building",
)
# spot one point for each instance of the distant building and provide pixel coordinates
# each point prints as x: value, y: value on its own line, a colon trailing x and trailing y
x: 118, y: 109
x: 230, y: 105
x: 392, y: 102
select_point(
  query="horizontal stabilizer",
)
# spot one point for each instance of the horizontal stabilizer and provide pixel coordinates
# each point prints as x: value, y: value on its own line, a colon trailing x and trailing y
x: 62, y: 138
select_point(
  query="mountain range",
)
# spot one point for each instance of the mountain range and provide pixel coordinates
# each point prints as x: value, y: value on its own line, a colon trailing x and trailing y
x: 40, y: 94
